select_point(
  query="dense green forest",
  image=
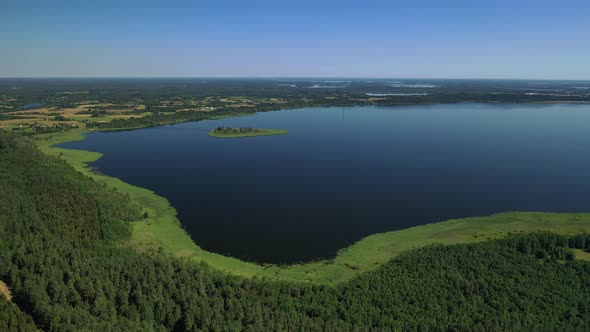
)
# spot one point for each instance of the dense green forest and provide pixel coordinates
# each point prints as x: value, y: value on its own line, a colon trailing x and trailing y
x: 63, y: 256
x: 13, y: 319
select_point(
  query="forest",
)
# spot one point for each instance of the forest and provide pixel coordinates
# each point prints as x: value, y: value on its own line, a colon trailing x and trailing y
x: 64, y: 258
x: 230, y: 130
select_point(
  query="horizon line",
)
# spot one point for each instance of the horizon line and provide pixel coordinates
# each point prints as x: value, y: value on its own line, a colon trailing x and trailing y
x: 292, y: 77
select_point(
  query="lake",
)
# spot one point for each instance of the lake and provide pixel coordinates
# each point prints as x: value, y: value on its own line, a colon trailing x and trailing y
x: 343, y: 173
x: 31, y: 106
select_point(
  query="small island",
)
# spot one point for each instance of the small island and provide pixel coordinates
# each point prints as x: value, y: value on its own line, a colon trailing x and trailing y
x: 230, y: 132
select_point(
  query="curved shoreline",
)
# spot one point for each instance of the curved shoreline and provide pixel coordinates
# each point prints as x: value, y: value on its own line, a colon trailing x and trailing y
x: 163, y: 231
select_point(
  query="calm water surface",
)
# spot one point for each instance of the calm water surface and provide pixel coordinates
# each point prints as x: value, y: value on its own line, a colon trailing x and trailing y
x: 343, y: 173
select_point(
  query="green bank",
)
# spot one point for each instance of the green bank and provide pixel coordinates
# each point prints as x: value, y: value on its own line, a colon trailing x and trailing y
x: 162, y: 231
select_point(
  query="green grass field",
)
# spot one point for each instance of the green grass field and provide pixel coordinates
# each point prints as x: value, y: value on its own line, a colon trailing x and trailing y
x: 581, y: 254
x: 163, y: 231
x: 258, y: 132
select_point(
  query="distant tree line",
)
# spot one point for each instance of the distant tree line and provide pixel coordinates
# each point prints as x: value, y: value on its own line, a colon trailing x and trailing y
x: 229, y: 130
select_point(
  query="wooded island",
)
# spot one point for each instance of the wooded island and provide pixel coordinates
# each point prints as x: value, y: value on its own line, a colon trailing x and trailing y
x: 244, y: 132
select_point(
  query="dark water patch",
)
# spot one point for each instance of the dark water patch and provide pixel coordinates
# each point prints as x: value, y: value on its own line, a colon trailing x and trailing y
x: 31, y: 106
x: 343, y: 173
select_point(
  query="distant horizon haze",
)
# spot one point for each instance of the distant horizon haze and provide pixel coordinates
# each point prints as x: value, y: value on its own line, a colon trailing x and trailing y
x: 295, y: 78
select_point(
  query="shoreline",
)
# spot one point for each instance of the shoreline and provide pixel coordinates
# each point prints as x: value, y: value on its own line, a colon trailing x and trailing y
x: 163, y: 231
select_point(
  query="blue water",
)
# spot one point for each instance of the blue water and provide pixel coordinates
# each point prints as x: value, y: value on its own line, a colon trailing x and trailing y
x: 343, y: 173
x: 32, y: 106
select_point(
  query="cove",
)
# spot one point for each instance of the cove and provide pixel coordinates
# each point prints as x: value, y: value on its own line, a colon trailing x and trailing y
x: 342, y: 173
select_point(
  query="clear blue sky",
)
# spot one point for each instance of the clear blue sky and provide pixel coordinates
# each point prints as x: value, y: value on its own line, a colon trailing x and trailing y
x: 426, y: 39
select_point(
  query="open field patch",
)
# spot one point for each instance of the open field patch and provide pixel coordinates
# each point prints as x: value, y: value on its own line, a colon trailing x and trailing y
x: 5, y: 291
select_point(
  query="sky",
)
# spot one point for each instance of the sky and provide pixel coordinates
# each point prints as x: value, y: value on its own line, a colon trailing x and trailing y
x: 394, y: 39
